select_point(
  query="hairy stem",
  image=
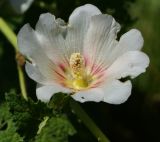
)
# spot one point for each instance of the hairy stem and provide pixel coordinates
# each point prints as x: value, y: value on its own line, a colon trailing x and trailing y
x: 10, y: 35
x: 88, y: 122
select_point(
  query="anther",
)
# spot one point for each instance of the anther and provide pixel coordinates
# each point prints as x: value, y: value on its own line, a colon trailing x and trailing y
x: 76, y: 65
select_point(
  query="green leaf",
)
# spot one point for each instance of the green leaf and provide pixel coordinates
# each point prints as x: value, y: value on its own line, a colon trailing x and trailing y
x: 35, y: 122
x: 57, y: 129
x: 8, y: 130
x: 26, y: 114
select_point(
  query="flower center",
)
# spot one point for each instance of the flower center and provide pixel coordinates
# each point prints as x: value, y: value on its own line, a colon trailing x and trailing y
x: 77, y: 66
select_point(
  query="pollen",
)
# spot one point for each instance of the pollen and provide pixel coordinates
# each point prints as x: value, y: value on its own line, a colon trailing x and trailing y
x: 77, y: 67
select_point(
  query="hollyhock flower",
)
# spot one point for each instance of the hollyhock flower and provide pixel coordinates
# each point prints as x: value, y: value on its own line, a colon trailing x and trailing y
x: 20, y: 6
x: 82, y: 57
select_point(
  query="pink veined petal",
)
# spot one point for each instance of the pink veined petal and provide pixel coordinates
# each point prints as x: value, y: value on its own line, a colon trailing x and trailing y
x: 100, y: 41
x: 93, y: 94
x: 116, y: 92
x: 44, y: 93
x: 131, y: 64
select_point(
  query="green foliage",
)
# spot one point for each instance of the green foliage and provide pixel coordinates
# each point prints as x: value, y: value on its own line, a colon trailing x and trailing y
x: 26, y: 115
x: 8, y: 129
x: 57, y: 129
x: 32, y: 121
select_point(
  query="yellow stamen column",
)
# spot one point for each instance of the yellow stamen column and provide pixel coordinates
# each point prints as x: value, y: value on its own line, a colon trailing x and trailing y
x: 77, y: 70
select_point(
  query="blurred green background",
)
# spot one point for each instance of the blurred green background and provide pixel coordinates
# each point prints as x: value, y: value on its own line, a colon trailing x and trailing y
x: 136, y: 120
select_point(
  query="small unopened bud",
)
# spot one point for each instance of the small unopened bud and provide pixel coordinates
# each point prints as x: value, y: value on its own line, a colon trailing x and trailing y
x: 20, y: 59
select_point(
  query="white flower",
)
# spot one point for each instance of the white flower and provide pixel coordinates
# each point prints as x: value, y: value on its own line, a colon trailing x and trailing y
x: 82, y: 57
x: 20, y: 6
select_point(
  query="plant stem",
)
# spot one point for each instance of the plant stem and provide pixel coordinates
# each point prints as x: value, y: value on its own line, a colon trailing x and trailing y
x: 6, y: 30
x: 88, y: 122
x: 22, y: 82
x: 10, y: 35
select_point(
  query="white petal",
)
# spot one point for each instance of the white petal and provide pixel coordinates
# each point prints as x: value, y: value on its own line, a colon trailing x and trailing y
x: 113, y: 92
x: 34, y: 73
x: 132, y: 40
x: 30, y: 46
x: 50, y: 34
x: 95, y: 95
x: 44, y: 93
x: 101, y: 39
x: 83, y: 14
x: 116, y: 92
x: 27, y: 41
x: 131, y: 64
x: 78, y: 25
x: 129, y: 41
